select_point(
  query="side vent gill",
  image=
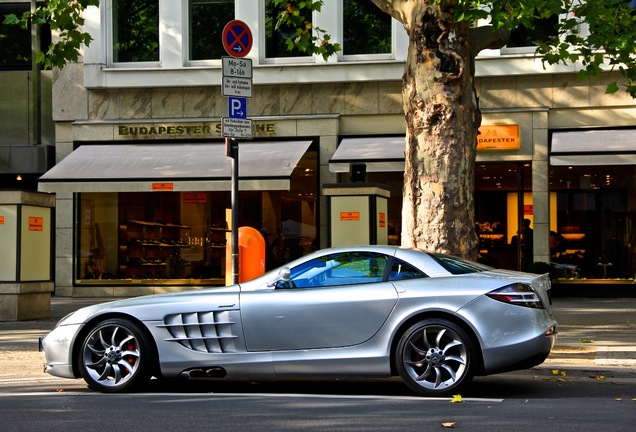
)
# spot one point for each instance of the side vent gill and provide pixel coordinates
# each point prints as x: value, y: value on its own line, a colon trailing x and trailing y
x: 209, y: 332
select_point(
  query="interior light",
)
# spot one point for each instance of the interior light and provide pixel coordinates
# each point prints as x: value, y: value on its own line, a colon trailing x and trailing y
x: 19, y: 177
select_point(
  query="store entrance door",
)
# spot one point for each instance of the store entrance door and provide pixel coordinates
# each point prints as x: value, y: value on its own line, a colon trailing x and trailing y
x: 503, y: 201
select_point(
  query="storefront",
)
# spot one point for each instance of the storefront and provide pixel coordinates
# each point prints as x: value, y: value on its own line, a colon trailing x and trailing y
x: 153, y: 216
x: 593, y: 206
x: 503, y: 184
x: 148, y: 228
x: 579, y: 206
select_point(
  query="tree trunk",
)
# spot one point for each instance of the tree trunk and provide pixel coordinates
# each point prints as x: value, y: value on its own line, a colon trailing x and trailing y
x: 442, y: 118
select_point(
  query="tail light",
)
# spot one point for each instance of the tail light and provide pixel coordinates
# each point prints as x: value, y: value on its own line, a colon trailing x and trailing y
x: 518, y: 294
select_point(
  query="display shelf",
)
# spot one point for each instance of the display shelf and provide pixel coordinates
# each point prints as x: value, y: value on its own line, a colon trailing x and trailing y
x: 158, y: 224
x: 146, y: 245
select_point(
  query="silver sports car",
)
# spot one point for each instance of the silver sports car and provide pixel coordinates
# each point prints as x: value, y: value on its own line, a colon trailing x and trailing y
x: 371, y: 311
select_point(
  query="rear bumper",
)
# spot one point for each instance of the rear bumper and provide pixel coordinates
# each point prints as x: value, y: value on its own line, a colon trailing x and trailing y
x: 519, y: 356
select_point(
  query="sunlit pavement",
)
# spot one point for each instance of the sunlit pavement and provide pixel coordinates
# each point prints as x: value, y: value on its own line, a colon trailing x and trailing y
x: 595, y: 332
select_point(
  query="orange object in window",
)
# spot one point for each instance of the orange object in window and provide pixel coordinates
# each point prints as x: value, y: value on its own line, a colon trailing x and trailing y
x: 251, y: 254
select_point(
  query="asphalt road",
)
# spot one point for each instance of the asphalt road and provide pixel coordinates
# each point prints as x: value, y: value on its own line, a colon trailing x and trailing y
x: 521, y: 401
x: 587, y: 384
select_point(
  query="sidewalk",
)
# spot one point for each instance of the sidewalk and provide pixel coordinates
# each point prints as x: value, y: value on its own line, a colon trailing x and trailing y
x: 595, y: 334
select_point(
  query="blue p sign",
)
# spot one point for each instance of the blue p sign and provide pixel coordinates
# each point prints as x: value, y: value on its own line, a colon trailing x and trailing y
x: 237, y: 108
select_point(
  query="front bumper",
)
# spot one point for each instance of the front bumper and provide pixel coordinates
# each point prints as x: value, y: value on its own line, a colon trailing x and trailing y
x: 58, y: 352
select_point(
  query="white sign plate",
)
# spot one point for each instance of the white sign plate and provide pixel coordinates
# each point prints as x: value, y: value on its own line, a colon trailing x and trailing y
x: 237, y: 128
x: 237, y: 67
x: 241, y: 87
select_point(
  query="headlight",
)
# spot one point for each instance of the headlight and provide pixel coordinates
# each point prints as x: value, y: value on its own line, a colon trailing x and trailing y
x: 60, y: 322
x: 518, y: 294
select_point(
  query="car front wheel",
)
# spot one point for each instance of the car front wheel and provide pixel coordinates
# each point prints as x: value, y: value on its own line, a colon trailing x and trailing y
x: 115, y: 356
x: 434, y: 357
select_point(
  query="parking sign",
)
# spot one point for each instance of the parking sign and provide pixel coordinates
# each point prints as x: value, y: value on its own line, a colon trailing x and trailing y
x: 237, y: 108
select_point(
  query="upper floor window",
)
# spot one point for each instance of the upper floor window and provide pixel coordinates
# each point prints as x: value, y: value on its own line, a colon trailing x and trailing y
x: 206, y: 20
x: 366, y: 29
x: 279, y: 41
x: 135, y: 31
x: 15, y: 42
x: 542, y: 30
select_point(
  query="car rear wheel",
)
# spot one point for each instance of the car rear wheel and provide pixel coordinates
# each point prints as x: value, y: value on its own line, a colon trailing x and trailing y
x: 115, y: 356
x: 434, y: 357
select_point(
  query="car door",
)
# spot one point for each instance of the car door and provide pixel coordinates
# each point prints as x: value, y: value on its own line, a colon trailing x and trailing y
x: 335, y: 301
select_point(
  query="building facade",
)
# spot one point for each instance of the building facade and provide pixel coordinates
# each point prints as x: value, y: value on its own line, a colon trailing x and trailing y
x: 27, y: 132
x: 143, y: 183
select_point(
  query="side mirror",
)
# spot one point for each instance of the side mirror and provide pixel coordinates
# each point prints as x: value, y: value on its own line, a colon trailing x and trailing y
x: 284, y: 275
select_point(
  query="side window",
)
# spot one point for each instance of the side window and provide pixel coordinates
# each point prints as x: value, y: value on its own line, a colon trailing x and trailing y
x: 458, y: 266
x: 135, y: 31
x: 345, y: 268
x: 206, y: 20
x: 401, y: 270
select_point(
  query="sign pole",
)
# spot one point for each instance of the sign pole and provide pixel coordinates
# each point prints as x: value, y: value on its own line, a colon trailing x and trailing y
x: 237, y: 83
x: 233, y: 147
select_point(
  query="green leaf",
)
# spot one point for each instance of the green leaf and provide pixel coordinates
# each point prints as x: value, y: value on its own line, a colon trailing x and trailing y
x: 11, y: 19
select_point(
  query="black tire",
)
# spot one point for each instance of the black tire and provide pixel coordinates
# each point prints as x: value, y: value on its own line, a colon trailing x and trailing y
x: 434, y: 358
x: 116, y: 356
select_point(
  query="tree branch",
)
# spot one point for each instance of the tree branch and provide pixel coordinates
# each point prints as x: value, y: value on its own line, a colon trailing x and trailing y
x: 484, y: 37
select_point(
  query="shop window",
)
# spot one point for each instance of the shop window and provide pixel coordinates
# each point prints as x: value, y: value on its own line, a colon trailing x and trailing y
x: 135, y: 33
x: 278, y: 41
x: 182, y: 238
x: 206, y: 20
x: 366, y: 29
x: 15, y: 42
x: 593, y: 222
x: 503, y: 200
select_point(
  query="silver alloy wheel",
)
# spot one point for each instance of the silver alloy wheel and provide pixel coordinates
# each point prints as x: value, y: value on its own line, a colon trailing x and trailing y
x: 434, y: 357
x: 111, y: 355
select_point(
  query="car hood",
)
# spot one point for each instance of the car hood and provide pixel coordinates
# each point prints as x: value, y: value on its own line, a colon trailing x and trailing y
x: 155, y: 307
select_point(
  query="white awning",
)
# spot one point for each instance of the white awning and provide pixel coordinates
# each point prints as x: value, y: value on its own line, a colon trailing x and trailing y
x: 594, y: 147
x: 185, y: 167
x: 379, y: 154
x: 610, y: 140
x: 599, y: 159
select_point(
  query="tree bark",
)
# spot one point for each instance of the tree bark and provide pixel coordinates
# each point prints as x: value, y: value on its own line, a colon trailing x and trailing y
x: 442, y: 120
